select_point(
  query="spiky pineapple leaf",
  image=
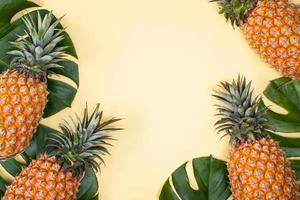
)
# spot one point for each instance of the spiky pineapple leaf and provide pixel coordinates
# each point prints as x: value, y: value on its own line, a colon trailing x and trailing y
x: 9, y: 32
x: 89, y: 185
x: 211, y: 177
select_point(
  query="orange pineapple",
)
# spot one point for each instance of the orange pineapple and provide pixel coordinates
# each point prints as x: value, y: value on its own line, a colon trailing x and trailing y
x: 272, y: 28
x: 258, y: 167
x: 57, y: 175
x: 23, y: 87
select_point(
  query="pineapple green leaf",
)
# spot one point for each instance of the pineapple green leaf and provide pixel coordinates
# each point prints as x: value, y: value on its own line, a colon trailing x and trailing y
x: 211, y: 177
x: 89, y: 185
x: 12, y: 30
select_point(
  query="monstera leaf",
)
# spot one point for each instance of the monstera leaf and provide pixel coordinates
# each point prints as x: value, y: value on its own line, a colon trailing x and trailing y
x: 61, y: 94
x: 285, y: 93
x: 211, y: 177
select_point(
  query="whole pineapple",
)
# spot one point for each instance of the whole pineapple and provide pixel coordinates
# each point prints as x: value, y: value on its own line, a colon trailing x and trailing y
x: 272, y: 28
x: 23, y: 87
x: 258, y: 167
x: 57, y: 175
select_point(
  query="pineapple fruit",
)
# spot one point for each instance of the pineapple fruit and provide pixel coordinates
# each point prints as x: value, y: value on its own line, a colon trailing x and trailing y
x: 23, y: 87
x: 258, y: 167
x: 272, y: 28
x: 57, y: 174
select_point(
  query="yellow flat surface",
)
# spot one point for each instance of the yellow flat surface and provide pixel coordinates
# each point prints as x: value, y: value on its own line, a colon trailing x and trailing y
x: 154, y: 63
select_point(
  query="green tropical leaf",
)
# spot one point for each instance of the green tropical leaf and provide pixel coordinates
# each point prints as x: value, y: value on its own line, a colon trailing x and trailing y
x: 10, y: 7
x: 285, y: 93
x: 12, y: 166
x: 291, y: 146
x: 211, y: 177
x: 296, y: 166
x: 38, y: 143
x: 96, y: 197
x: 89, y: 186
x: 61, y: 95
x: 70, y: 70
x: 3, y: 184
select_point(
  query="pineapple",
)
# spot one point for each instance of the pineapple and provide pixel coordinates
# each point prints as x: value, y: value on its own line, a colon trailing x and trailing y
x: 57, y: 174
x: 272, y: 28
x: 23, y: 87
x: 258, y: 167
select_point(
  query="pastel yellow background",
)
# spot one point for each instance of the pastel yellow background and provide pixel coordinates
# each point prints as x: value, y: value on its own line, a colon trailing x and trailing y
x: 154, y: 63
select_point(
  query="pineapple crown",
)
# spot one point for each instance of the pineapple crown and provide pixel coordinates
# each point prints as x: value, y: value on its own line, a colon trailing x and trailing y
x: 38, y: 51
x: 236, y: 11
x: 82, y: 145
x: 241, y: 117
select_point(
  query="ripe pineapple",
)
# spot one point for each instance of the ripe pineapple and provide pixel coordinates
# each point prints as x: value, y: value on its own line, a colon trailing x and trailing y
x: 258, y: 168
x: 57, y: 175
x: 23, y: 87
x: 272, y: 28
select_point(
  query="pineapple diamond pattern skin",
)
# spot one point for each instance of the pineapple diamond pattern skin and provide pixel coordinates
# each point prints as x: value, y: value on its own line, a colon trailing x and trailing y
x: 57, y: 175
x: 22, y: 102
x: 259, y: 170
x: 273, y: 30
x: 43, y: 179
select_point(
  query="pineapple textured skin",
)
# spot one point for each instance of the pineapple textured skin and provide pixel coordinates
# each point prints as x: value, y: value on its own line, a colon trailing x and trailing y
x: 22, y: 102
x: 273, y: 30
x: 43, y: 179
x: 259, y: 170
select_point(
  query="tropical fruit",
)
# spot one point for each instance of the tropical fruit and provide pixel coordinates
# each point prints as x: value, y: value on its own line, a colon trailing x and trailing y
x: 57, y: 174
x: 23, y: 87
x: 272, y: 28
x: 258, y: 168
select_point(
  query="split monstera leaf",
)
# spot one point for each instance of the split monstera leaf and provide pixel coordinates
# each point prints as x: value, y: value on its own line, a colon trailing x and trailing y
x: 211, y: 174
x: 61, y: 93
